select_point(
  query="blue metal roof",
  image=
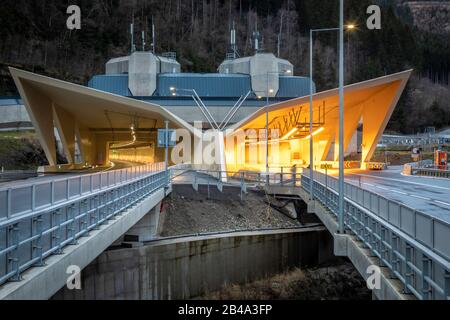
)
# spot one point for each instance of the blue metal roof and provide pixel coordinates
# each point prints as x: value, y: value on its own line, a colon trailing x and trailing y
x: 207, y: 85
x: 293, y: 87
x: 10, y: 101
x: 112, y: 83
x: 209, y: 102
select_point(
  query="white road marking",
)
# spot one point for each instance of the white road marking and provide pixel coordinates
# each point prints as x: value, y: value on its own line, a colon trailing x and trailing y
x: 403, y: 193
x: 442, y: 202
x: 393, y: 190
x: 420, y: 197
x: 400, y: 180
x: 368, y: 184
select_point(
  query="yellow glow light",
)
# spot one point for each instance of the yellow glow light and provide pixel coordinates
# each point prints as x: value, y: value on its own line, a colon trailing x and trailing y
x: 290, y: 133
x: 314, y: 133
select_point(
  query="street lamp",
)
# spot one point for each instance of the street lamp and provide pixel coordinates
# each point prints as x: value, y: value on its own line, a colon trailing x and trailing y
x: 341, y: 117
x: 287, y: 71
x: 311, y: 117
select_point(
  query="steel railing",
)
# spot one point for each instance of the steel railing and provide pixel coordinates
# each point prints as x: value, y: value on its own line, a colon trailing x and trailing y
x: 40, y: 219
x: 245, y: 179
x: 414, y: 246
x: 431, y: 172
x: 277, y: 176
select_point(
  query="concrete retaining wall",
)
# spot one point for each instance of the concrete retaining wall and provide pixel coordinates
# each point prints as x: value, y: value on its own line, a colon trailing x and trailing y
x: 189, y: 267
x: 14, y: 117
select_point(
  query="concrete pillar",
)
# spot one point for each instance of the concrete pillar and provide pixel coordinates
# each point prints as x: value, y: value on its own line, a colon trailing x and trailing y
x: 146, y: 229
x: 40, y: 109
x: 86, y: 143
x: 220, y: 151
x: 352, y: 119
x: 376, y: 114
x: 327, y: 147
x: 65, y: 123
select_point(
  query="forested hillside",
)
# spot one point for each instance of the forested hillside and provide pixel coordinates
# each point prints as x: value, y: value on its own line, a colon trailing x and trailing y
x: 33, y: 35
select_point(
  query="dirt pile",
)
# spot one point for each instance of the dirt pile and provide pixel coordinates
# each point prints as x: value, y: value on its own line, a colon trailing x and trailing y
x: 189, y: 212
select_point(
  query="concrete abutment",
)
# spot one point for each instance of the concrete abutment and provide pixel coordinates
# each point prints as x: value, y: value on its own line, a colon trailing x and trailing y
x: 189, y: 267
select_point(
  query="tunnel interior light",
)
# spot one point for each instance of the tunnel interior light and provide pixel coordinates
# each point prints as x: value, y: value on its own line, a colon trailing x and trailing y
x: 314, y: 133
x: 289, y: 134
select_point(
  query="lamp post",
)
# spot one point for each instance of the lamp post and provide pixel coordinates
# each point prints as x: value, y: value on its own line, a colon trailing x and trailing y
x: 166, y: 138
x: 341, y: 117
x: 288, y: 71
x: 311, y: 118
x: 341, y: 111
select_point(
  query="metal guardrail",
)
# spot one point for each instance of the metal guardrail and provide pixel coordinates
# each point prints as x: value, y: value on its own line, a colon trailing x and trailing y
x: 412, y: 245
x: 284, y: 177
x: 40, y: 219
x: 6, y: 176
x: 431, y: 172
x: 376, y: 165
x: 245, y: 179
x: 170, y: 55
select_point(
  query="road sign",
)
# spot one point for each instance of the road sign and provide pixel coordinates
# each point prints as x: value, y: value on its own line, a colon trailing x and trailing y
x: 162, y: 138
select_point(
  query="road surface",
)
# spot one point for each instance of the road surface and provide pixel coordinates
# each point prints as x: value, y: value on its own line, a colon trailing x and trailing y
x: 425, y: 194
x: 55, y: 176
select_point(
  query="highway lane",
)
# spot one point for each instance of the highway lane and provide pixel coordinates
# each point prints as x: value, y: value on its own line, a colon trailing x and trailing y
x: 428, y: 195
x: 117, y: 165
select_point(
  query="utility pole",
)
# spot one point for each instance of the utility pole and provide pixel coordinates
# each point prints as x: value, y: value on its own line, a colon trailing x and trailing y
x: 167, y: 145
x: 341, y: 117
x: 311, y: 146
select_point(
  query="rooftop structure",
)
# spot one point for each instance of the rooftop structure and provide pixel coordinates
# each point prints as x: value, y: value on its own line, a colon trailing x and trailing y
x: 153, y: 78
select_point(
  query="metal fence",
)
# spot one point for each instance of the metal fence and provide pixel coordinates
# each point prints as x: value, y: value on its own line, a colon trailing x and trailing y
x: 40, y: 219
x: 414, y: 246
x: 431, y: 172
